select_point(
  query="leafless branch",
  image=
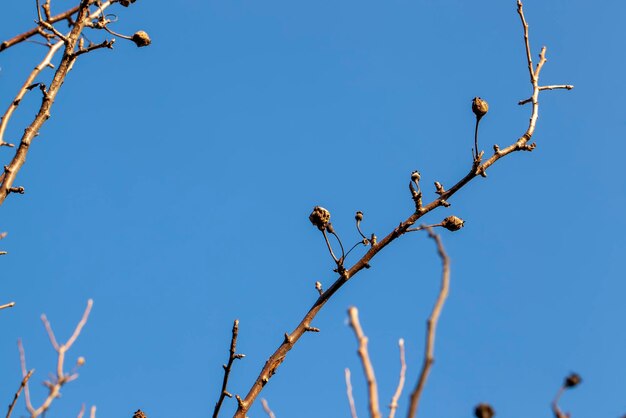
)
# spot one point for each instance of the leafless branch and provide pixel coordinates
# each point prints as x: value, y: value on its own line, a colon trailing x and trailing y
x: 54, y: 386
x: 431, y: 326
x: 368, y: 369
x: 69, y: 42
x: 8, y: 305
x: 34, y: 31
x: 267, y: 409
x: 228, y: 367
x: 476, y: 169
x: 81, y: 412
x: 19, y: 390
x: 396, y: 396
x: 349, y: 393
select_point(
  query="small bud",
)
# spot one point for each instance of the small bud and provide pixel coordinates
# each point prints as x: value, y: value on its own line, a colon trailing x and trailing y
x: 439, y: 187
x: 453, y: 223
x: 484, y: 410
x: 479, y: 107
x: 415, y: 176
x: 572, y: 380
x: 80, y: 362
x: 318, y: 287
x: 320, y: 217
x: 359, y: 216
x: 141, y: 38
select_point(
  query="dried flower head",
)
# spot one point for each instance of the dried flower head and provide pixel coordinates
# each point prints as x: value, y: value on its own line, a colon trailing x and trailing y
x: 415, y: 176
x: 479, y: 107
x: 358, y: 216
x: 453, y: 223
x: 139, y: 414
x: 320, y: 217
x: 572, y: 380
x: 141, y: 38
x: 484, y: 410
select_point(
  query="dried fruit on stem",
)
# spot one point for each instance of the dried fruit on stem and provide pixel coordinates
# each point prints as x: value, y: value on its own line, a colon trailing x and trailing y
x: 320, y: 217
x: 453, y: 223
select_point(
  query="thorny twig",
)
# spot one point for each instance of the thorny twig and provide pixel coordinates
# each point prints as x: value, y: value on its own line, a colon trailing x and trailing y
x: 227, y: 367
x: 61, y: 378
x: 431, y: 326
x: 368, y: 369
x: 477, y: 169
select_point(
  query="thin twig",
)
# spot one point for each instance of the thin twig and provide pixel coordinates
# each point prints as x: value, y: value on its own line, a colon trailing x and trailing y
x: 349, y: 393
x: 19, y: 390
x: 92, y: 412
x: 227, y: 367
x: 396, y: 396
x: 61, y: 378
x: 267, y: 409
x: 34, y: 31
x: 81, y: 412
x: 279, y: 355
x: 431, y: 327
x: 555, y: 404
x: 8, y: 305
x: 368, y: 369
x: 67, y: 61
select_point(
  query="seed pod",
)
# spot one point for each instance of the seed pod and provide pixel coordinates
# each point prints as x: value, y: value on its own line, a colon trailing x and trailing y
x: 572, y: 380
x: 479, y: 107
x: 453, y: 223
x: 320, y: 217
x: 141, y: 38
x: 415, y: 176
x: 358, y: 216
x: 484, y: 410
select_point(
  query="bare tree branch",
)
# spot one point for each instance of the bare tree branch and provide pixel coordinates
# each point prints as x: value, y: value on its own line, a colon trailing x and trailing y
x: 34, y: 31
x: 8, y: 305
x: 478, y: 168
x: 228, y: 367
x: 69, y: 42
x: 396, y: 396
x: 349, y: 393
x: 431, y: 327
x: 17, y: 394
x: 54, y: 385
x: 368, y: 369
x: 267, y: 409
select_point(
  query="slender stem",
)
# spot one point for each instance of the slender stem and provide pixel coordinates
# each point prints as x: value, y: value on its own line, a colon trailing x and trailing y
x: 349, y: 393
x: 228, y: 367
x: 431, y: 327
x: 19, y: 390
x: 396, y: 396
x: 368, y: 369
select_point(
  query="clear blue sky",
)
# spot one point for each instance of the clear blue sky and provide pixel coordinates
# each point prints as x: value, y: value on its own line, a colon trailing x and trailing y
x: 173, y: 186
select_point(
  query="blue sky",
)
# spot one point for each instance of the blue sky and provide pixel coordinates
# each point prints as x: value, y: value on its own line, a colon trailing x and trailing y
x: 173, y: 186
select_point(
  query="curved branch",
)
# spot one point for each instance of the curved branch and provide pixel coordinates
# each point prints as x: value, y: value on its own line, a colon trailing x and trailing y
x: 521, y: 144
